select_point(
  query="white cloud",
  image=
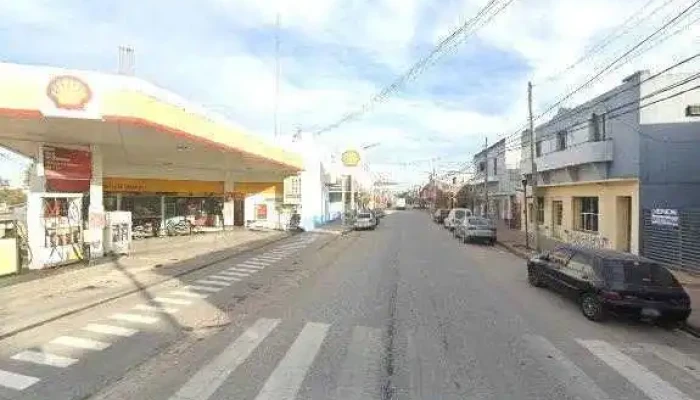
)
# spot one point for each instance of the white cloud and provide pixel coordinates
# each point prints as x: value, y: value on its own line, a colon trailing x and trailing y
x: 219, y: 68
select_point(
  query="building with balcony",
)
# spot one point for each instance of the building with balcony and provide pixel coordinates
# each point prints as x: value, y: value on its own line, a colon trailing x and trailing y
x: 496, y: 176
x: 605, y: 166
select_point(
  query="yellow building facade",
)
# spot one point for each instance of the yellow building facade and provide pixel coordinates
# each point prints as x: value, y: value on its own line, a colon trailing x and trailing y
x: 599, y: 214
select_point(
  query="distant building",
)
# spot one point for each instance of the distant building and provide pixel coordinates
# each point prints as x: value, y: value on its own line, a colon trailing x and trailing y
x: 493, y: 172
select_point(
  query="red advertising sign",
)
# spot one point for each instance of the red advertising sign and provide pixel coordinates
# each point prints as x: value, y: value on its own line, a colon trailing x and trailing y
x: 67, y: 170
x: 261, y: 211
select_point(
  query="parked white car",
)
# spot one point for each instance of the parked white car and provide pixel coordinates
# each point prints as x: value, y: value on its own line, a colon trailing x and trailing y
x: 365, y: 220
x: 476, y: 229
x: 455, y: 216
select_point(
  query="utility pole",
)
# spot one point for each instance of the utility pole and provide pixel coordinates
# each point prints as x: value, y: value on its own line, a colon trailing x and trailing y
x: 533, y: 184
x: 486, y: 177
x: 344, y: 186
x: 352, y: 193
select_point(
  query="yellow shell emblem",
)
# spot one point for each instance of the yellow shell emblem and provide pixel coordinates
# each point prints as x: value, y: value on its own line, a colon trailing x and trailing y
x: 68, y: 92
x: 350, y: 158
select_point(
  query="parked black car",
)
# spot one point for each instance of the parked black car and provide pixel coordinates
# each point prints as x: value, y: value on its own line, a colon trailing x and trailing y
x: 611, y: 282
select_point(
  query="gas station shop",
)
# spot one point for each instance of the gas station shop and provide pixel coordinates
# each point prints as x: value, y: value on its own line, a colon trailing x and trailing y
x: 115, y: 153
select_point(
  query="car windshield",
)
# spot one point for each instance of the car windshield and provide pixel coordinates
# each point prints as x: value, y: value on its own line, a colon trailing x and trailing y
x: 637, y: 273
x: 479, y: 221
x: 364, y: 215
x: 459, y: 214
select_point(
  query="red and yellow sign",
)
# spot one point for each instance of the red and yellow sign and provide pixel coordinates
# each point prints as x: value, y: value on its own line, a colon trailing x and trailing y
x: 67, y: 170
x: 68, y: 92
x: 131, y: 185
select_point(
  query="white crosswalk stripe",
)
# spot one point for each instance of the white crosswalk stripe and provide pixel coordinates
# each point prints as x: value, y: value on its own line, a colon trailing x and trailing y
x: 80, y: 343
x: 146, y: 307
x: 224, y: 278
x: 257, y: 262
x: 40, y: 357
x: 250, y: 266
x: 242, y: 269
x: 110, y: 330
x: 577, y: 383
x: 286, y: 379
x: 234, y: 273
x: 207, y: 380
x: 212, y: 282
x: 674, y: 357
x: 186, y: 293
x: 135, y: 318
x: 651, y: 384
x: 168, y: 300
x: 15, y: 381
x: 202, y: 288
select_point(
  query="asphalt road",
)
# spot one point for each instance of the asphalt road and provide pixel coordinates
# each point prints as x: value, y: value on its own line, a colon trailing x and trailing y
x: 402, y: 312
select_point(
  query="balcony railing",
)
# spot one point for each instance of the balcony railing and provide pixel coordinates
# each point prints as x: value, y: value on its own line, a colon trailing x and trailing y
x: 581, y: 153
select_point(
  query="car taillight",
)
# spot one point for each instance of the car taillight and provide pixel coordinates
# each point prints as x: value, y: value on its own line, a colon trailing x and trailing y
x: 611, y: 295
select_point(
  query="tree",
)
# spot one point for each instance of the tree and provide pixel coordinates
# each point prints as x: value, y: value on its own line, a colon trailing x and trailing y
x: 12, y: 197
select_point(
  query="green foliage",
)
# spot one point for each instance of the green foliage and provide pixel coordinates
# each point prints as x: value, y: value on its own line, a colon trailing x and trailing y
x: 12, y: 197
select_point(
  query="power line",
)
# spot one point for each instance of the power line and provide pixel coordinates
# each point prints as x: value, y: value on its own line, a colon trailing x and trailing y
x: 613, y: 113
x: 607, y: 40
x: 615, y: 61
x: 616, y: 93
x: 452, y: 40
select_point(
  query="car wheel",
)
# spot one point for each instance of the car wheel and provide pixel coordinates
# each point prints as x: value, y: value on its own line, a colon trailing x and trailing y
x: 591, y: 307
x: 534, y: 278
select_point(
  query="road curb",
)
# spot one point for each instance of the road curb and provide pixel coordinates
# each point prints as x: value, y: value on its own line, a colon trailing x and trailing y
x: 248, y: 247
x: 520, y: 253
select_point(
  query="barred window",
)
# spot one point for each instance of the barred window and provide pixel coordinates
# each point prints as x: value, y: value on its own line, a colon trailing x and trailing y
x: 586, y: 213
x: 540, y: 210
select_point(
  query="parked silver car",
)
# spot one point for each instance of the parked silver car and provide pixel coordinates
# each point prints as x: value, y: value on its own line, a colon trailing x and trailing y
x: 365, y: 220
x: 455, y: 216
x: 476, y: 228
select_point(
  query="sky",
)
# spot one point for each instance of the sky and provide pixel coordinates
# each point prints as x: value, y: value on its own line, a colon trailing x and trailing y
x: 335, y: 55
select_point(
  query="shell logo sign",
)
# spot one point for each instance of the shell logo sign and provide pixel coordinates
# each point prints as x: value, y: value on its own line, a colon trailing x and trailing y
x: 350, y: 158
x: 68, y: 92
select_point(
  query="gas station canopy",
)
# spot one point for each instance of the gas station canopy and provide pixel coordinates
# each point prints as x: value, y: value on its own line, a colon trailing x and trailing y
x: 136, y: 125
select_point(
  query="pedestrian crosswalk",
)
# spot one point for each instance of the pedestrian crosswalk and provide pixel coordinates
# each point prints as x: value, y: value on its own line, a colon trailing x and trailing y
x: 654, y: 370
x: 357, y: 376
x: 100, y: 335
x: 300, y: 345
x: 651, y: 384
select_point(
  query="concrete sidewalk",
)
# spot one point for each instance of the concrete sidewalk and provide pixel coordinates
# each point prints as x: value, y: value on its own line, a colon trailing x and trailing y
x: 35, y: 297
x: 335, y: 227
x: 514, y: 241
